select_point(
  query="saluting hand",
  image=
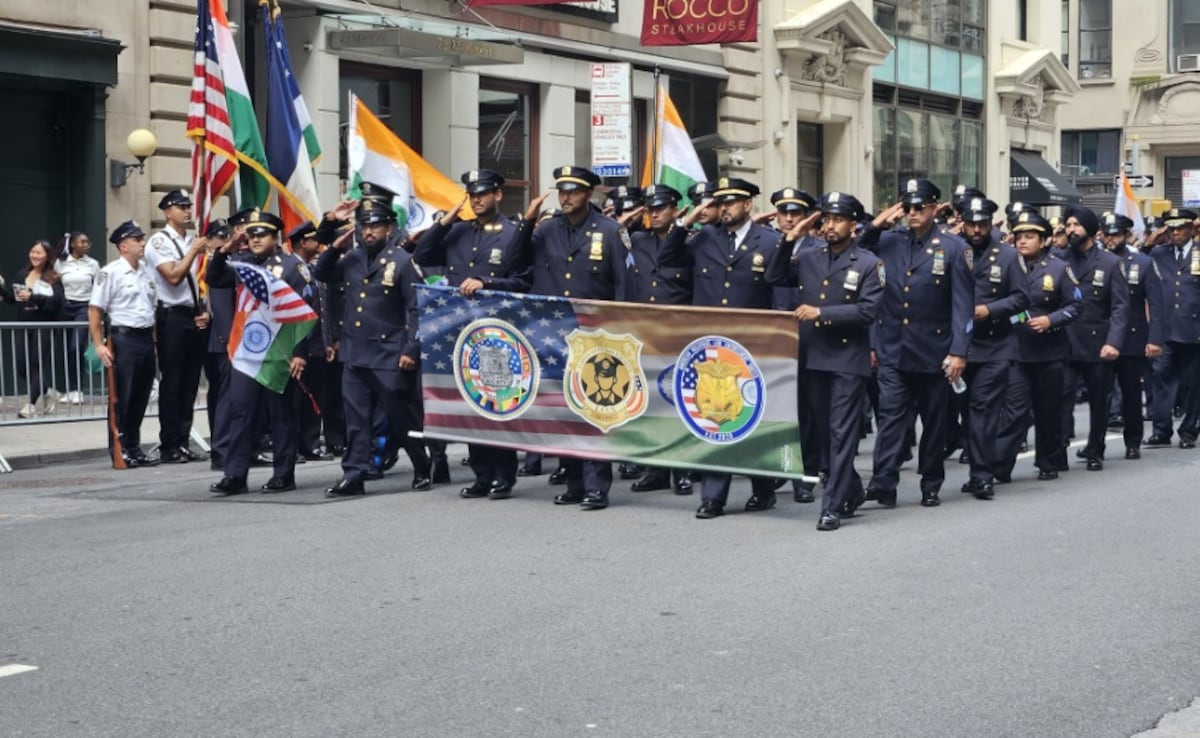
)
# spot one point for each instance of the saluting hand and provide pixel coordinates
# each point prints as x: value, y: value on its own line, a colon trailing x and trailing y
x: 765, y: 217
x: 629, y: 216
x: 452, y: 215
x: 344, y: 210
x: 889, y: 217
x: 535, y: 206
x: 343, y: 241
x: 802, y: 228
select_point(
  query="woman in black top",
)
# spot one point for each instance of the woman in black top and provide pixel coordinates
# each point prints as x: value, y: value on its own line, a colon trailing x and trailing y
x: 38, y: 294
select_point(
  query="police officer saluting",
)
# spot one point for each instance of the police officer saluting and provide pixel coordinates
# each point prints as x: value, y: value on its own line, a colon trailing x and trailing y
x: 125, y: 297
x: 303, y: 239
x: 246, y: 395
x: 1177, y: 370
x: 472, y: 255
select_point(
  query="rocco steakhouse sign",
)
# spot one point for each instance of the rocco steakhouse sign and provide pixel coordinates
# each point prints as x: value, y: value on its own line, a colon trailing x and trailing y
x: 685, y: 22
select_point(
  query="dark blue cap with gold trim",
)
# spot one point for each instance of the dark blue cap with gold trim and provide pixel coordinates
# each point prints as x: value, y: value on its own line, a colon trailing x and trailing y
x: 790, y: 199
x: 840, y: 203
x: 128, y: 229
x: 301, y: 232
x: 240, y: 217
x: 575, y: 178
x: 173, y: 198
x: 729, y: 189
x: 482, y: 180
x: 660, y: 194
x: 1032, y: 220
x: 261, y: 223
x: 1178, y: 217
x: 370, y: 212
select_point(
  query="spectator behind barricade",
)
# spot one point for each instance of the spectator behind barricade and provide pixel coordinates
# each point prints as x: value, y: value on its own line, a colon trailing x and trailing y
x: 77, y: 271
x: 38, y: 294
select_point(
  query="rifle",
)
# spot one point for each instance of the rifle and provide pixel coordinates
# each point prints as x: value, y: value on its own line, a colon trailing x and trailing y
x: 118, y: 453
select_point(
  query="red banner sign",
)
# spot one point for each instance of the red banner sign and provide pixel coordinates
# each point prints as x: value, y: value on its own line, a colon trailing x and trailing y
x: 475, y: 3
x: 687, y: 22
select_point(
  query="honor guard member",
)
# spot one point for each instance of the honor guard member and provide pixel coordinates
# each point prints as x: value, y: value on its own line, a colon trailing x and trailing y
x: 1144, y: 326
x: 471, y: 254
x: 124, y: 298
x: 378, y: 346
x: 313, y: 395
x: 729, y: 269
x: 701, y: 197
x: 220, y: 307
x: 180, y: 320
x: 840, y: 286
x: 1035, y: 383
x: 1098, y: 333
x: 579, y: 252
x: 920, y: 339
x: 246, y: 397
x: 1177, y: 369
x: 1000, y: 292
x: 653, y: 281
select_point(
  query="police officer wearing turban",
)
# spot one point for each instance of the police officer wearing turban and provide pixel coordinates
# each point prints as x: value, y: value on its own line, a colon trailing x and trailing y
x: 378, y: 345
x: 920, y: 339
x: 246, y: 397
x: 1035, y: 385
x: 1000, y: 292
x: 839, y: 286
x: 579, y: 252
x: 1097, y: 335
x: 471, y: 255
x: 1177, y: 370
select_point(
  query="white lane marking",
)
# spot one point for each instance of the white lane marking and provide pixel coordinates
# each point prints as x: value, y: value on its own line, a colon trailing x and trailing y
x: 14, y: 669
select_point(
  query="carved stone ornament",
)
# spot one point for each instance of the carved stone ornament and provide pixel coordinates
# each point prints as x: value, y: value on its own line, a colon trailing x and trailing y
x: 1164, y: 114
x: 1032, y: 107
x: 828, y: 68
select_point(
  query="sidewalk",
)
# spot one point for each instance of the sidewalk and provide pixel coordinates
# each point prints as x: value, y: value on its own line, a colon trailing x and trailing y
x: 44, y: 444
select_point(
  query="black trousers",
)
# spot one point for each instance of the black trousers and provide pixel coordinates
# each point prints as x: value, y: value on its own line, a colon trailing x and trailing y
x: 1097, y: 376
x: 492, y: 464
x: 77, y: 343
x: 33, y: 352
x: 585, y: 474
x: 836, y: 403
x: 1129, y: 371
x: 364, y: 389
x: 1177, y: 381
x: 244, y: 402
x: 181, y: 353
x: 714, y: 486
x: 133, y: 374
x: 901, y: 396
x: 1034, y: 397
x: 333, y: 413
x: 987, y: 385
x: 216, y: 372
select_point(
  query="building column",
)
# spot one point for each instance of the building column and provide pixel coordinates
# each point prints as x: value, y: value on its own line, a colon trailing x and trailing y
x: 450, y: 120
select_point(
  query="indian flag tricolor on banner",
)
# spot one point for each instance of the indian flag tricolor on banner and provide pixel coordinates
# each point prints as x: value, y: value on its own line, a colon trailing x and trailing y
x: 675, y: 162
x: 270, y: 320
x: 253, y: 181
x: 379, y: 156
x: 1127, y: 205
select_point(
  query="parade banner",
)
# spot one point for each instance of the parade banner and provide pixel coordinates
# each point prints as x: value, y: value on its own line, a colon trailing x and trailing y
x: 684, y: 387
x: 688, y: 22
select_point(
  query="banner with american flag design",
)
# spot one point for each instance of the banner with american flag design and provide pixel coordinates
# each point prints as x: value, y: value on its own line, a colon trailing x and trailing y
x: 214, y: 158
x: 682, y: 387
x: 270, y: 319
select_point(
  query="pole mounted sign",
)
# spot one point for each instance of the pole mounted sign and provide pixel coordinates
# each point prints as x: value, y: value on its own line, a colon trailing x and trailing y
x: 612, y: 120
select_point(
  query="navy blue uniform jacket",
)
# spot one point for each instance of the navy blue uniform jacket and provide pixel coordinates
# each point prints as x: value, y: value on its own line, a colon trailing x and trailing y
x: 1104, y: 306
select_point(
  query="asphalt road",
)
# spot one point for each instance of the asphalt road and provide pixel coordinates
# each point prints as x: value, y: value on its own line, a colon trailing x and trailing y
x: 149, y: 609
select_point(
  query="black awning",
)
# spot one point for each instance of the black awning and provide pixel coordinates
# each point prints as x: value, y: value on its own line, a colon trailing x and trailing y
x: 1032, y: 180
x: 58, y: 57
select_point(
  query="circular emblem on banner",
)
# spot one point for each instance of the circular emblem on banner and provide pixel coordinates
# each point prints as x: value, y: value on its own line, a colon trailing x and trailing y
x: 719, y: 390
x: 496, y: 369
x: 604, y: 382
x: 256, y: 337
x: 666, y: 384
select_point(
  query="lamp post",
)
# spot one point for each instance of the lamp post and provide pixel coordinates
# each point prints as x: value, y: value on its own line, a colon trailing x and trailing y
x: 141, y: 144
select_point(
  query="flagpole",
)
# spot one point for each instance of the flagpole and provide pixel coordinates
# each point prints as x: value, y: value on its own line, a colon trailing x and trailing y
x: 657, y: 126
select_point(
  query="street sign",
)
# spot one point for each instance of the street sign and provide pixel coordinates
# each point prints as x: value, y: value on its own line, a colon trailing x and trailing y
x: 1191, y: 188
x: 612, y: 120
x: 1136, y: 180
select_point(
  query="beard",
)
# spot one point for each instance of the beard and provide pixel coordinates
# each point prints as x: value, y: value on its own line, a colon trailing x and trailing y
x: 1075, y: 240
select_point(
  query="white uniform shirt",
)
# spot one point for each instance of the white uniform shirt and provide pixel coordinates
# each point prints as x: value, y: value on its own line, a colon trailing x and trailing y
x: 165, y: 247
x: 78, y: 276
x: 126, y: 293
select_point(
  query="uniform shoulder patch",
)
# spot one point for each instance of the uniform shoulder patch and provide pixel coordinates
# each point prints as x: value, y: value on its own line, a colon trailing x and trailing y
x: 1071, y: 276
x: 624, y: 234
x: 881, y: 272
x: 101, y: 278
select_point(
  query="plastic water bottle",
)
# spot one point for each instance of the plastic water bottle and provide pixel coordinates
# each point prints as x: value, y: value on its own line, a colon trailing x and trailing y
x: 959, y: 385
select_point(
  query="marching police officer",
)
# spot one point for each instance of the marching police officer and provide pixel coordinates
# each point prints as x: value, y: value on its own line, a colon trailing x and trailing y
x: 315, y: 390
x: 378, y: 344
x: 578, y: 252
x: 220, y: 306
x: 1177, y: 369
x: 1097, y: 335
x: 1035, y: 385
x: 471, y: 253
x: 1000, y: 291
x: 181, y: 319
x: 920, y: 338
x: 839, y: 289
x: 124, y: 296
x: 246, y: 397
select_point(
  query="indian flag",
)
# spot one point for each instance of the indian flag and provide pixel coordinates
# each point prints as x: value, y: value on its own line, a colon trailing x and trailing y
x: 1127, y: 205
x: 675, y: 162
x: 253, y: 180
x: 270, y: 320
x: 379, y: 156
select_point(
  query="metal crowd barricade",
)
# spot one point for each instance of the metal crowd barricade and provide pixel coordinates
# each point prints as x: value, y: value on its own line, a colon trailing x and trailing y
x: 52, y: 359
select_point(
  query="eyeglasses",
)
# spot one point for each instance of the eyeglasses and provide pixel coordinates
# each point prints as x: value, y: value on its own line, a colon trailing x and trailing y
x: 908, y: 208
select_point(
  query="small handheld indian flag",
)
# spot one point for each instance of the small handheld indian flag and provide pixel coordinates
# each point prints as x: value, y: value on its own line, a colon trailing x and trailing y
x: 270, y: 320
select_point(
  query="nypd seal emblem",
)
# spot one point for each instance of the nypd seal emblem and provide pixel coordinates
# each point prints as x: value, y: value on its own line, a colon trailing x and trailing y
x: 720, y: 393
x: 604, y: 382
x: 496, y: 369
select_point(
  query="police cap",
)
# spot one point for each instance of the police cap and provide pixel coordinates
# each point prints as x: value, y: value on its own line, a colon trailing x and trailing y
x: 568, y: 178
x: 1178, y: 218
x: 175, y: 197
x: 372, y: 192
x: 919, y: 192
x: 730, y: 189
x: 977, y: 210
x: 218, y: 228
x: 128, y: 229
x: 966, y: 192
x: 658, y: 195
x: 626, y: 198
x: 700, y: 191
x: 482, y: 180
x: 261, y: 223
x: 1031, y: 220
x: 840, y: 203
x: 1115, y: 223
x: 241, y: 217
x: 790, y: 199
x: 301, y: 232
x: 370, y: 212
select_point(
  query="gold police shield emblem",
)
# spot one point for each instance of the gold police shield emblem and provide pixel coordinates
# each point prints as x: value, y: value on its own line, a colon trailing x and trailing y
x: 604, y: 382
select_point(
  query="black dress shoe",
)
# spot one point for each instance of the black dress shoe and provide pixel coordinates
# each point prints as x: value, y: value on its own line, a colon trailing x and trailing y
x: 981, y: 490
x: 1047, y: 475
x: 216, y: 463
x: 1187, y: 443
x: 529, y: 471
x: 710, y: 509
x: 683, y: 485
x: 421, y: 482
x: 346, y: 488
x: 229, y: 486
x: 142, y: 459
x: 300, y: 459
x: 569, y: 498
x: 559, y: 476
x: 279, y: 484
x: 171, y: 456
x: 1116, y: 421
x: 651, y: 482
x: 317, y: 454
x: 1083, y: 453
x: 629, y: 471
x: 390, y: 460
x: 804, y: 493
x: 191, y: 455
x: 1003, y: 477
x: 929, y: 498
x: 852, y: 503
x: 829, y: 521
x: 883, y: 497
x: 500, y: 491
x: 338, y: 450
x: 758, y: 503
x: 963, y: 458
x: 594, y: 499
x: 1133, y: 453
x: 1095, y: 464
x: 478, y: 489
x: 441, y: 471
x: 1062, y: 466
x: 263, y: 459
x: 1157, y: 440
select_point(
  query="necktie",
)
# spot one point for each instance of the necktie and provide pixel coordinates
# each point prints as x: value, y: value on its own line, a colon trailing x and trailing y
x: 1179, y: 255
x: 732, y: 244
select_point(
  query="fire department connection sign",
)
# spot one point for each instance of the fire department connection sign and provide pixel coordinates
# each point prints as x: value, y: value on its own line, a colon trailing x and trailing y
x: 612, y: 120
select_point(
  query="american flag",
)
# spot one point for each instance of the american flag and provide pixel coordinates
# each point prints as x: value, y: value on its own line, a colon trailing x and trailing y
x: 257, y: 286
x: 214, y: 158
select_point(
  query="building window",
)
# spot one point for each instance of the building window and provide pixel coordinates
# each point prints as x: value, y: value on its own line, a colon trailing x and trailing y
x: 924, y: 136
x: 1065, y: 41
x: 1185, y: 31
x: 809, y: 158
x: 1095, y: 39
x: 507, y: 128
x: 394, y: 95
x: 1087, y: 153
